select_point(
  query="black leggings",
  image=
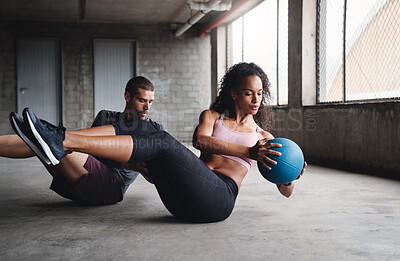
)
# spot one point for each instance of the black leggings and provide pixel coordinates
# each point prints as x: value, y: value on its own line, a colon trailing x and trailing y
x: 187, y: 187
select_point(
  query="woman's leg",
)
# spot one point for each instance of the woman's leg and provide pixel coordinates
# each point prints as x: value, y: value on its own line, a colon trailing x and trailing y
x: 187, y: 187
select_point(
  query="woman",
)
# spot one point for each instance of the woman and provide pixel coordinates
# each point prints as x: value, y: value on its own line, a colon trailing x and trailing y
x: 197, y: 189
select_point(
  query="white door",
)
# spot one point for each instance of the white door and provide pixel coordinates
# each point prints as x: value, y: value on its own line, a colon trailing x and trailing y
x: 38, y: 77
x: 114, y: 65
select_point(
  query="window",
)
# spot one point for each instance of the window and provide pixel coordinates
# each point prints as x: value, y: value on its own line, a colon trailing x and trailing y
x: 358, y: 50
x: 261, y: 36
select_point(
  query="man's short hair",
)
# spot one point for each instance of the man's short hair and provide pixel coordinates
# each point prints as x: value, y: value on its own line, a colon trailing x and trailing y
x: 138, y: 82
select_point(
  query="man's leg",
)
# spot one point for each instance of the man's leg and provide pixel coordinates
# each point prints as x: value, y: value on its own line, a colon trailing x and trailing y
x: 75, y: 177
x: 11, y: 146
x: 71, y: 167
x: 40, y: 130
x: 84, y: 179
x: 16, y: 146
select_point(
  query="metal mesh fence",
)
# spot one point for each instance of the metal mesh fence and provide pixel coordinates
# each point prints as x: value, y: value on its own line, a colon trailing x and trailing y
x: 283, y: 37
x: 330, y: 50
x: 358, y: 48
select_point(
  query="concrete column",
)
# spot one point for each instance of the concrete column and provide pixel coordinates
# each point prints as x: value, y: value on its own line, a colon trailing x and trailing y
x: 295, y: 52
x: 218, y: 58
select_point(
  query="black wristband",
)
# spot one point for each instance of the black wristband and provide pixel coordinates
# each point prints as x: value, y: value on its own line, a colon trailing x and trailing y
x: 288, y: 184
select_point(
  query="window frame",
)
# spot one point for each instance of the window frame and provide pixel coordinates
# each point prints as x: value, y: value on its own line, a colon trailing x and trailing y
x: 317, y: 65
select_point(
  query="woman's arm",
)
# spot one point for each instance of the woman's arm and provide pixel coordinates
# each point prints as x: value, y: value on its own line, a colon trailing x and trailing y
x: 262, y: 148
x: 203, y: 141
x: 287, y: 190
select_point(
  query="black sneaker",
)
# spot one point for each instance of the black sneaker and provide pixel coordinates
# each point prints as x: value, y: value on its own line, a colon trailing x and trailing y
x: 49, y: 137
x: 26, y: 135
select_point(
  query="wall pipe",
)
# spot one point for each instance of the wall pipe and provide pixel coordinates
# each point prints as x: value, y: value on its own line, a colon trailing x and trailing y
x: 224, y: 17
x: 196, y: 17
x: 196, y: 5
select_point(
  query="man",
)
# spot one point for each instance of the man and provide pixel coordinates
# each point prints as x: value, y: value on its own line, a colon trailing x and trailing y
x: 81, y: 177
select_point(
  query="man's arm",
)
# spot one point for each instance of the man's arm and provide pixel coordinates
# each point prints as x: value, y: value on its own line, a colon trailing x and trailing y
x: 101, y: 118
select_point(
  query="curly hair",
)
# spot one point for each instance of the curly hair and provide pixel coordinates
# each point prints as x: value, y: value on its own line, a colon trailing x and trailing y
x: 232, y: 81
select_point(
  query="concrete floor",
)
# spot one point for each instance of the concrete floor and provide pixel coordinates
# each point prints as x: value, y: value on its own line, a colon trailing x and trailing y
x: 333, y: 215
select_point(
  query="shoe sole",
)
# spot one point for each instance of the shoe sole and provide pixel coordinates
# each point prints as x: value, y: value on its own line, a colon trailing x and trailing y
x: 28, y: 142
x: 42, y: 143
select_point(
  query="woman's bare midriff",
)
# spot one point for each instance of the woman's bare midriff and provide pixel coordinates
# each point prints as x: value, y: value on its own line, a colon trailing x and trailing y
x: 225, y: 166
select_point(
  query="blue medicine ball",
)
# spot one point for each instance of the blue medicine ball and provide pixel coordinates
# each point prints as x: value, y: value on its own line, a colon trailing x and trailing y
x: 290, y: 163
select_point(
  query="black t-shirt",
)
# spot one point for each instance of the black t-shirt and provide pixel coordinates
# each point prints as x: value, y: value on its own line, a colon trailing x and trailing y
x: 115, y: 118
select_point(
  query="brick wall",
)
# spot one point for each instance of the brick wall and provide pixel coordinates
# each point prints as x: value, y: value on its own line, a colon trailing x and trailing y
x: 7, y: 80
x: 180, y: 70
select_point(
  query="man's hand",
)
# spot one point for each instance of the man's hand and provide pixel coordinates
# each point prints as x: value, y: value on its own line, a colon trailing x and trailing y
x: 136, y: 166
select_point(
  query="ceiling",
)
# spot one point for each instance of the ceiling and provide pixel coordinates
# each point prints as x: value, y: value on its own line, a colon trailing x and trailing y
x: 112, y: 11
x: 127, y: 11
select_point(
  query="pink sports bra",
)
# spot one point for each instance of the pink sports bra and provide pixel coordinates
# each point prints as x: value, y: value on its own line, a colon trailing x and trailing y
x: 222, y: 132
